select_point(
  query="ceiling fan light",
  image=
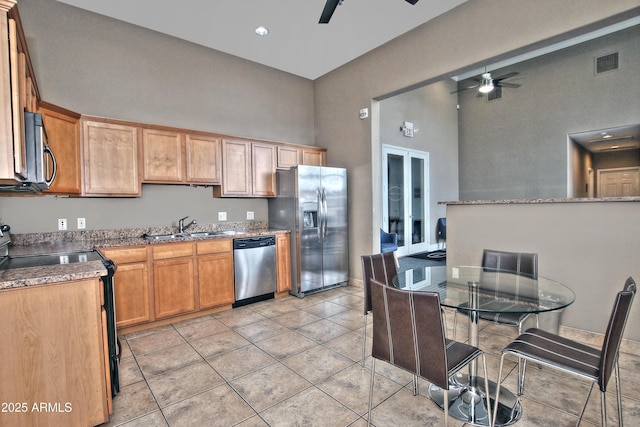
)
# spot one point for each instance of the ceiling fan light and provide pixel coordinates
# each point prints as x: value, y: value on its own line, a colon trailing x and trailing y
x: 262, y: 31
x: 487, y: 83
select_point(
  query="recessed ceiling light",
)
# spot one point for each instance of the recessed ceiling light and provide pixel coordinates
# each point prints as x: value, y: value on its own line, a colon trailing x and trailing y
x: 615, y: 146
x: 262, y: 31
x: 607, y: 136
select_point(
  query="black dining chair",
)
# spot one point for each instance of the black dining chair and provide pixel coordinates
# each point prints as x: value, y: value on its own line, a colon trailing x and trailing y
x: 381, y: 267
x: 408, y: 332
x: 576, y: 358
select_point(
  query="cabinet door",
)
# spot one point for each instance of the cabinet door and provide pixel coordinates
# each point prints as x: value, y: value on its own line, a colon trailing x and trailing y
x: 131, y: 283
x: 313, y: 157
x: 174, y: 286
x: 63, y: 134
x: 110, y: 159
x: 283, y: 261
x: 236, y: 169
x: 288, y: 157
x: 161, y: 156
x: 263, y: 158
x: 215, y: 279
x: 203, y: 159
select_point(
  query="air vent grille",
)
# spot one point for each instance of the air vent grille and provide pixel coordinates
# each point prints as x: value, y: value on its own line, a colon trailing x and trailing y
x: 607, y: 63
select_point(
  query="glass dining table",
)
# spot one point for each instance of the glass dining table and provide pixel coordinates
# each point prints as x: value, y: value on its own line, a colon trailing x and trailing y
x: 478, y: 290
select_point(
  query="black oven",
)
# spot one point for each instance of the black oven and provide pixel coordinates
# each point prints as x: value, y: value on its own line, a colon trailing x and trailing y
x: 24, y: 261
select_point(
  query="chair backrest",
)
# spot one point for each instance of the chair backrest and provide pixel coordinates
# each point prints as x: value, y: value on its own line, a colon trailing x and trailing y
x: 521, y: 268
x: 381, y: 267
x: 614, y: 332
x: 408, y: 332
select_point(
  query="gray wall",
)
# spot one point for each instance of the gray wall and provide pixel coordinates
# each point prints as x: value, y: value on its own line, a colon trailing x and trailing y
x: 433, y: 112
x: 460, y: 40
x: 516, y: 147
x: 99, y: 66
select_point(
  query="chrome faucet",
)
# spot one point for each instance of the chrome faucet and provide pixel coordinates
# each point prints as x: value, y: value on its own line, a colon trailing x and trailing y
x: 182, y: 227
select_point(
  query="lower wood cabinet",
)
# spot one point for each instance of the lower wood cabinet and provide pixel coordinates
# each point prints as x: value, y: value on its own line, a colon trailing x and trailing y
x: 215, y: 273
x: 131, y: 285
x: 53, y: 354
x: 173, y: 279
x: 283, y: 261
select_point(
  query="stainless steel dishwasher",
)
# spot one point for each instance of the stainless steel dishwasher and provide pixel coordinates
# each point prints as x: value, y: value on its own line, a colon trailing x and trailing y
x: 254, y: 266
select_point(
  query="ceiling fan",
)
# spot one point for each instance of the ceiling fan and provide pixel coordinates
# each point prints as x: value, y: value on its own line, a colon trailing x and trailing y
x: 486, y: 83
x: 330, y: 7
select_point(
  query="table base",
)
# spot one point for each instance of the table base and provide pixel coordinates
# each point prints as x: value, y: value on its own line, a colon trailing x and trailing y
x: 469, y: 404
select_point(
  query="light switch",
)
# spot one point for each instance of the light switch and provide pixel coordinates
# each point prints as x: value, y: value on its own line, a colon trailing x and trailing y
x: 222, y: 216
x: 250, y: 215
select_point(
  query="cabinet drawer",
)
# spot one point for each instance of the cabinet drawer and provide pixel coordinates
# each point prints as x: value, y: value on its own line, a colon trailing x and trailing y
x: 173, y: 250
x: 214, y: 246
x: 128, y: 255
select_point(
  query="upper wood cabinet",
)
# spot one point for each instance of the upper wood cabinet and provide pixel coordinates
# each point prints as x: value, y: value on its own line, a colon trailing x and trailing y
x: 162, y: 158
x: 314, y: 156
x: 63, y: 134
x: 203, y: 154
x: 293, y: 155
x: 18, y: 93
x: 110, y: 159
x: 248, y: 169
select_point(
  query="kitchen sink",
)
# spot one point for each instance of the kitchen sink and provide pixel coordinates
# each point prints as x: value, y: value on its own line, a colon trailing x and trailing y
x: 162, y: 236
x: 200, y: 234
x: 228, y: 233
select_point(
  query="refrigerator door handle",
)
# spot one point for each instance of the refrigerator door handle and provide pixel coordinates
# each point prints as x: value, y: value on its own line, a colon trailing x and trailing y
x: 325, y: 214
x: 320, y: 214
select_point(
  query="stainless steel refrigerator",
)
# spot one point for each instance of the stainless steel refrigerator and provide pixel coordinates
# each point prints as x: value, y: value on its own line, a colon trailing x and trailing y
x: 312, y: 204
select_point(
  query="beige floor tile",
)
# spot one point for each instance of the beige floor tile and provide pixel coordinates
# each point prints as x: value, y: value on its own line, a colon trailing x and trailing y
x: 404, y: 409
x: 199, y: 328
x: 325, y: 309
x: 317, y: 363
x: 350, y: 345
x: 154, y: 342
x: 311, y: 407
x: 132, y: 402
x: 168, y: 359
x: 239, y: 317
x: 268, y: 386
x: 129, y: 372
x: 183, y: 383
x: 296, y: 319
x: 219, y: 343
x: 219, y: 406
x: 242, y: 361
x: 349, y: 300
x: 323, y: 330
x: 262, y: 330
x: 286, y: 345
x: 154, y: 419
x: 352, y: 319
x: 273, y: 308
x: 351, y: 388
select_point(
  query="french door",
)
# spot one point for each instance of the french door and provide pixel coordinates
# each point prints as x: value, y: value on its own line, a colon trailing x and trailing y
x: 405, y: 186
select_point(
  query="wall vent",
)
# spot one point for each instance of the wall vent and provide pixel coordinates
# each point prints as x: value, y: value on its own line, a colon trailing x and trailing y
x: 496, y: 93
x: 607, y: 63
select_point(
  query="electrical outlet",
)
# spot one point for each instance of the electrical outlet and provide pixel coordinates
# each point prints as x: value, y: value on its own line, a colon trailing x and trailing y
x: 82, y: 223
x: 62, y: 224
x: 222, y: 216
x: 250, y: 215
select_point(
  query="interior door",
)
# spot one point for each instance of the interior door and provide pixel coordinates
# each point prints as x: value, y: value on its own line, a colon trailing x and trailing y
x: 405, y: 208
x: 619, y: 182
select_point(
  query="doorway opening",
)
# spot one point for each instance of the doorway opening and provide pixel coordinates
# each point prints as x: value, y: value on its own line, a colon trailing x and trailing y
x: 405, y: 200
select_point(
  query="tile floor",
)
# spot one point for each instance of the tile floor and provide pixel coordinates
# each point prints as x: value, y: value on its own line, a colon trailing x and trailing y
x: 296, y: 362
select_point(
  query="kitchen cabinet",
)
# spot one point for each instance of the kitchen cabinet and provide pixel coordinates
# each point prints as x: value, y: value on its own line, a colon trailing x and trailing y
x: 173, y: 279
x: 111, y: 154
x: 131, y: 285
x: 161, y: 156
x: 293, y: 155
x: 283, y: 261
x: 173, y: 157
x: 248, y: 169
x: 63, y: 135
x: 18, y: 93
x: 53, y: 354
x: 215, y: 273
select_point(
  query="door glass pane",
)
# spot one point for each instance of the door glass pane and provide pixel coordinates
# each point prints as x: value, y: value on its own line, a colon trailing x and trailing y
x: 418, y: 222
x: 395, y: 174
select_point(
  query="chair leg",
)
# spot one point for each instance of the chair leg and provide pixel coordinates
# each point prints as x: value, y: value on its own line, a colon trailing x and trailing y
x: 446, y: 407
x: 364, y: 341
x: 584, y: 407
x: 373, y: 373
x: 486, y: 387
x: 522, y: 365
x: 618, y: 393
x: 603, y: 409
x: 455, y: 324
x: 416, y: 386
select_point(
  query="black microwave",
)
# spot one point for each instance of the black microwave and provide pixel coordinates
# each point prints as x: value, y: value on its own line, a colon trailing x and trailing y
x: 41, y: 164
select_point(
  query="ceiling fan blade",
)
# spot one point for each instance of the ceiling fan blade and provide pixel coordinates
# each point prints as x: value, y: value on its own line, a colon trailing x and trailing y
x: 327, y: 12
x: 505, y: 84
x: 412, y: 1
x: 465, y: 88
x: 506, y: 76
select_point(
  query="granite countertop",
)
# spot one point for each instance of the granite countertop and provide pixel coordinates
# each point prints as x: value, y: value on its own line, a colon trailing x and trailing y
x: 538, y: 201
x: 60, y: 242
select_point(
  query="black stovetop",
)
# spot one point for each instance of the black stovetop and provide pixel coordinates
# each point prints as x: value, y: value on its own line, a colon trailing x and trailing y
x: 24, y: 261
